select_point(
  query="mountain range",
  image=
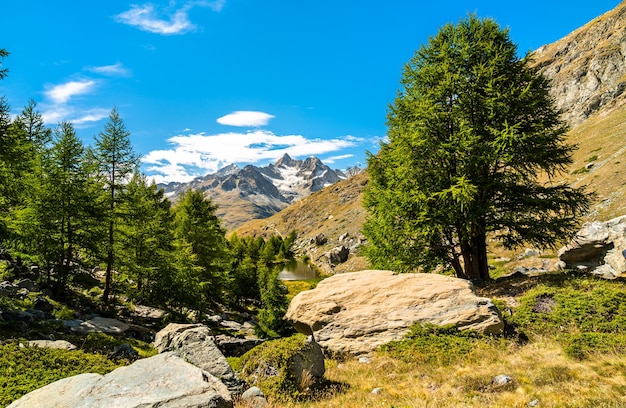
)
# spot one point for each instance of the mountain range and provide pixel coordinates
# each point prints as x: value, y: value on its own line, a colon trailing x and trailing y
x: 244, y: 194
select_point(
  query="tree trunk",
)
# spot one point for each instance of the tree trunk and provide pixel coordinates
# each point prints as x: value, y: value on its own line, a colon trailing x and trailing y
x: 109, y: 272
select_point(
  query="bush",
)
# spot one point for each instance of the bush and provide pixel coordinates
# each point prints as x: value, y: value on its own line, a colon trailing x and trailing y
x: 439, y: 345
x: 584, y: 314
x: 24, y: 369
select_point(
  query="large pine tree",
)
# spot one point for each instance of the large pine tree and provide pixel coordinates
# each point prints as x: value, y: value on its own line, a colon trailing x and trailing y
x: 116, y: 161
x: 472, y: 132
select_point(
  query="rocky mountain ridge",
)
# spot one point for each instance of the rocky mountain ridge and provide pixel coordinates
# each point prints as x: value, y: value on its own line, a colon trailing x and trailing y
x: 588, y: 66
x: 259, y: 192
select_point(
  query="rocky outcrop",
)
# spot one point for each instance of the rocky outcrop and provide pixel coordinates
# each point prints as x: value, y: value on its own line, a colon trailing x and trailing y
x: 587, y: 68
x: 597, y: 247
x: 164, y: 381
x: 357, y: 312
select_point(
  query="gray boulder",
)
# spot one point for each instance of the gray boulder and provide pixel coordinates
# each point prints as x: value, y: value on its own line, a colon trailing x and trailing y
x: 100, y: 325
x: 164, y: 381
x: 195, y: 344
x: 597, y: 247
x: 354, y: 313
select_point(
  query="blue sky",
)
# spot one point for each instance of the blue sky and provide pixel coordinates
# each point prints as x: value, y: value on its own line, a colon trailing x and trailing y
x: 204, y: 83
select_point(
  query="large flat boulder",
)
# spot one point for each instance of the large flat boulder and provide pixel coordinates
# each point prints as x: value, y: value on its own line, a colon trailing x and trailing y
x: 598, y: 248
x: 354, y: 313
x: 164, y: 381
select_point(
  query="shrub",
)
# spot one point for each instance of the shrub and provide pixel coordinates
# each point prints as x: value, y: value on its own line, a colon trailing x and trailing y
x: 24, y: 369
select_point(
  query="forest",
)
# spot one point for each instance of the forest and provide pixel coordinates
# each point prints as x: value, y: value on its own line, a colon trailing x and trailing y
x: 68, y: 210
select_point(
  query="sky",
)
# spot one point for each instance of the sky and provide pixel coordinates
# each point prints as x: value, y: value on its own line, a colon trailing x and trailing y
x: 201, y: 84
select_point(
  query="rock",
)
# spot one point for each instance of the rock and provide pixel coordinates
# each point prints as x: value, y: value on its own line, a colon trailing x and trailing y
x: 597, y: 248
x: 254, y: 398
x: 125, y: 350
x: 164, y: 381
x: 338, y: 255
x: 27, y: 284
x: 164, y: 338
x: 7, y: 289
x: 100, y: 325
x: 235, y: 347
x: 533, y: 403
x: 43, y: 304
x: 52, y: 344
x: 354, y: 313
x: 501, y: 380
x: 377, y: 390
x: 320, y: 239
x: 308, y: 362
x: 196, y: 346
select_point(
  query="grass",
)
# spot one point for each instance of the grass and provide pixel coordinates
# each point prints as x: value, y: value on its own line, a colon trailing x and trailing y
x: 565, y: 348
x: 24, y: 369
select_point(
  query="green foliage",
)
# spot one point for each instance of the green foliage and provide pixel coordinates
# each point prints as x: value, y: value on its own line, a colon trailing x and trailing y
x: 24, y: 369
x: 197, y: 225
x: 440, y: 345
x: 101, y: 342
x: 274, y: 300
x: 115, y: 161
x: 469, y: 132
x: 585, y: 314
x: 267, y: 367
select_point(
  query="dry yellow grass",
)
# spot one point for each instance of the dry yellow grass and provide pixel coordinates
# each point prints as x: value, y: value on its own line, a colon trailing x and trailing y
x: 540, y: 372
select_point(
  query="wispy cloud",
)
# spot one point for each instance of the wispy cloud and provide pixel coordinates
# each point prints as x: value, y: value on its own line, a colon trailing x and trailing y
x: 58, y: 106
x: 165, y: 21
x: 146, y: 18
x: 245, y: 119
x: 333, y: 159
x: 62, y: 93
x: 199, y: 154
x: 116, y: 69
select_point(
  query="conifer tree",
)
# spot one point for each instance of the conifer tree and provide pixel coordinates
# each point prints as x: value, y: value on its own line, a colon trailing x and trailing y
x: 115, y: 161
x: 471, y: 131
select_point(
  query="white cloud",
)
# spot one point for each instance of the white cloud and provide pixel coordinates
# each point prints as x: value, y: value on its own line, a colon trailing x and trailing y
x: 199, y: 154
x: 116, y: 69
x: 147, y: 18
x: 333, y: 159
x: 62, y: 93
x: 246, y: 119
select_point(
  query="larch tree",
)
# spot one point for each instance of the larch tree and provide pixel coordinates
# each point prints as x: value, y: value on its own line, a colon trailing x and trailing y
x: 472, y: 133
x: 116, y: 161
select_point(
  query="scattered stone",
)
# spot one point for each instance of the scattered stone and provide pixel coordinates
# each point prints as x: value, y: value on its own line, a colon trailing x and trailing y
x: 52, y: 344
x: 343, y: 237
x: 164, y: 381
x: 533, y: 403
x: 364, y: 360
x: 125, y: 350
x: 8, y: 289
x: 377, y: 391
x: 356, y: 312
x: 254, y: 398
x: 339, y: 255
x: 43, y: 304
x: 235, y: 347
x: 320, y: 239
x: 27, y: 284
x: 100, y: 325
x: 501, y: 380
